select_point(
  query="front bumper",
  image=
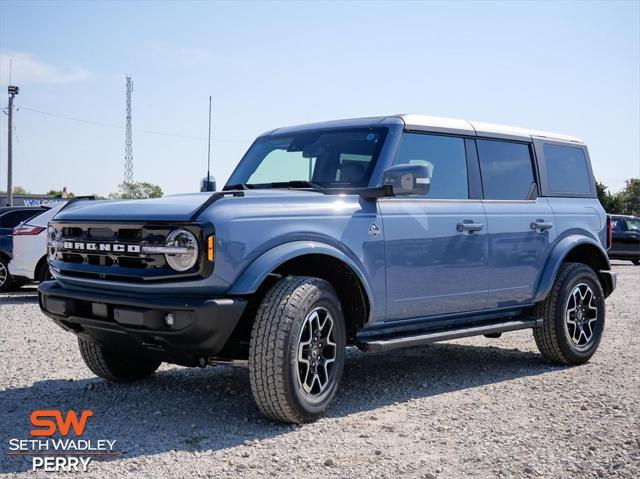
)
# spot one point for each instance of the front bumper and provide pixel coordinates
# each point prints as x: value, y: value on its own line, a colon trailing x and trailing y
x: 136, y: 325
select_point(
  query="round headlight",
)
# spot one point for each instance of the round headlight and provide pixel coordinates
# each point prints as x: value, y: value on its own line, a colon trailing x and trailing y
x: 187, y: 242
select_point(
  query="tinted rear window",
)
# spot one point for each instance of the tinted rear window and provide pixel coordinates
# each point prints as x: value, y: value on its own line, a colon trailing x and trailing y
x: 506, y: 168
x: 567, y: 169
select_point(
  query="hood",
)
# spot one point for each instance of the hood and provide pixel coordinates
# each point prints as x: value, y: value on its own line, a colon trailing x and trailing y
x: 169, y: 208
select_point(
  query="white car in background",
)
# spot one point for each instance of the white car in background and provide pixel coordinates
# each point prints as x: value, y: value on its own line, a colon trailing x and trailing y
x: 29, y: 261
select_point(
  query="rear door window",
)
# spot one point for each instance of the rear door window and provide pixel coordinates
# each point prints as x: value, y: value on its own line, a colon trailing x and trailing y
x: 506, y: 169
x: 567, y: 169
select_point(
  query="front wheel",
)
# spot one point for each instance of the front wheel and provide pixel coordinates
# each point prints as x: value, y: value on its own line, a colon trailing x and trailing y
x: 297, y: 349
x: 115, y: 367
x: 573, y: 316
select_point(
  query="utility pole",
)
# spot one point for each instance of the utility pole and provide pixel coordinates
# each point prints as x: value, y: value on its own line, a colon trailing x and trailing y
x: 128, y: 140
x: 208, y: 180
x: 13, y: 91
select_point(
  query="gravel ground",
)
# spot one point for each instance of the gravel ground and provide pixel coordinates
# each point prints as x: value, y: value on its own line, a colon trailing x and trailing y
x: 469, y: 408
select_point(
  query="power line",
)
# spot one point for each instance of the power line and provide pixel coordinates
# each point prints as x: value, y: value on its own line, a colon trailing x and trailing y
x: 71, y: 118
x: 119, y: 127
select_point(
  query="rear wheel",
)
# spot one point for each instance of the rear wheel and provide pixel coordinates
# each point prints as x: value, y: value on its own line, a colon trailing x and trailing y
x: 297, y: 349
x: 573, y: 316
x: 115, y: 367
x: 5, y: 277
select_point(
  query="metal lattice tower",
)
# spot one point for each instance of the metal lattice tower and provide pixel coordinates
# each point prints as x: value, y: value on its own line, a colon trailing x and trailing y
x: 128, y: 141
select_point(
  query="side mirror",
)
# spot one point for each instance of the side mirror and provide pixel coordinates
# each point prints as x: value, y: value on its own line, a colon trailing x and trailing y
x: 409, y: 179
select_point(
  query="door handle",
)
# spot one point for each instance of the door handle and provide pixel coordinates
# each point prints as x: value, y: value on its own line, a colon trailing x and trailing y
x: 540, y: 225
x: 469, y: 226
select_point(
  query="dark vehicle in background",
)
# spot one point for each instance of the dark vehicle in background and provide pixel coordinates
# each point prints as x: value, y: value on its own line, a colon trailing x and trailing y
x: 625, y: 238
x: 10, y: 217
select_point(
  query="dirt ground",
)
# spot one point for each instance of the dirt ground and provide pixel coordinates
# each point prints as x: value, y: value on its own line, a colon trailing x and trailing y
x: 468, y: 408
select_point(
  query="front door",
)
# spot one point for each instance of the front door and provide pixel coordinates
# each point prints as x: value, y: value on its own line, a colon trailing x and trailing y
x: 436, y: 246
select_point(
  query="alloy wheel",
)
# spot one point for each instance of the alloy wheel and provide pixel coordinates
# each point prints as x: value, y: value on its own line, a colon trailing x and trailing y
x: 581, y: 316
x: 316, y: 352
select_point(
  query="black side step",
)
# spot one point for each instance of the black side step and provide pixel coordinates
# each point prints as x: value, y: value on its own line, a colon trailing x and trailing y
x: 434, y: 336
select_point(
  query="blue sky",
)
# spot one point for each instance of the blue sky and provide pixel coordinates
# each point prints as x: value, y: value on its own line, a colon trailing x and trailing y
x: 569, y: 67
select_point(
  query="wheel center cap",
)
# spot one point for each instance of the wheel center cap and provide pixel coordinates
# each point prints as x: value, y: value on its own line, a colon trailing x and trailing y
x: 314, y: 351
x: 579, y: 314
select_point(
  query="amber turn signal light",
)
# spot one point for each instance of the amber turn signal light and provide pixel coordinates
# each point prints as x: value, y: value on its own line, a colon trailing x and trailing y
x: 210, y: 251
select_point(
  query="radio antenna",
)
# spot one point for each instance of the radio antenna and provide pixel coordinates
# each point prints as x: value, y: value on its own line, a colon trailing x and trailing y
x: 209, y: 148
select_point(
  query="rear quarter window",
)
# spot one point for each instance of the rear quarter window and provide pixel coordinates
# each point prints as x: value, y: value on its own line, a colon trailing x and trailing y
x: 564, y: 169
x: 567, y: 169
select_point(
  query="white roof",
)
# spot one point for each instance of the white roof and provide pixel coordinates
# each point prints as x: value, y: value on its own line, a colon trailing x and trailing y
x: 435, y: 123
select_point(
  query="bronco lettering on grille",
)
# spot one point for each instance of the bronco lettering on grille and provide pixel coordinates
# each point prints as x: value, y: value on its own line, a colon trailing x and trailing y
x: 107, y: 247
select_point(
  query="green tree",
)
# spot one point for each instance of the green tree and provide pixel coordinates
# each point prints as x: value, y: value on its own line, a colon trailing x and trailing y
x: 59, y: 193
x: 137, y: 191
x: 19, y: 190
x: 630, y: 197
x: 610, y: 203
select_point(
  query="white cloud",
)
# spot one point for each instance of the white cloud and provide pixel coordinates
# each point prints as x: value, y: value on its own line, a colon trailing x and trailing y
x: 26, y: 70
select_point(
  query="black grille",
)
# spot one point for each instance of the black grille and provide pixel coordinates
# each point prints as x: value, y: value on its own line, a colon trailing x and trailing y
x: 71, y: 260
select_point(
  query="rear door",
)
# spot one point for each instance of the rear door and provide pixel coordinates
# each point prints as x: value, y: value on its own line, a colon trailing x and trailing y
x: 520, y: 225
x: 436, y: 245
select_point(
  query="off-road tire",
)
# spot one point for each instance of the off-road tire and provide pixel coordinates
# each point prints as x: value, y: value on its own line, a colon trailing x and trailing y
x: 114, y: 367
x: 273, y: 350
x: 552, y: 337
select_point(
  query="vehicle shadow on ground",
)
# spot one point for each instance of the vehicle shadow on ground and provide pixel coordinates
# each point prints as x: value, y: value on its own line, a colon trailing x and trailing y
x: 186, y: 409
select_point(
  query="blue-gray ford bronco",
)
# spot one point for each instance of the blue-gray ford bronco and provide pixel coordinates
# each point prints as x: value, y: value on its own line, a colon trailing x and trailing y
x: 378, y: 233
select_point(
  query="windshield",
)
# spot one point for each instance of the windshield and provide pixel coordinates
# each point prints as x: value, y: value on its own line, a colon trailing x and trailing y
x: 336, y: 158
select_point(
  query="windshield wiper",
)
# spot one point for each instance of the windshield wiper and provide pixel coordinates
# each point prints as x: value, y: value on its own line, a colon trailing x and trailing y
x: 275, y: 184
x: 296, y: 184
